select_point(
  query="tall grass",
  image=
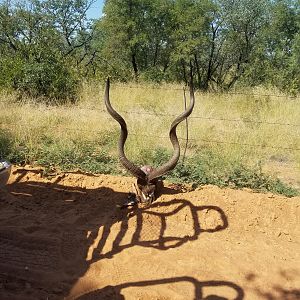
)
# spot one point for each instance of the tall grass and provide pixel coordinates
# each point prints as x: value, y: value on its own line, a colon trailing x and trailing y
x: 233, y: 138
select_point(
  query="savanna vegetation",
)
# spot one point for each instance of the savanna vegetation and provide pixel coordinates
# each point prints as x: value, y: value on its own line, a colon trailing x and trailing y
x: 234, y: 140
x: 48, y: 47
x: 54, y: 60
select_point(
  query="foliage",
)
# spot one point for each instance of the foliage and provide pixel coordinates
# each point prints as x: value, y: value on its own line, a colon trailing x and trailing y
x: 276, y: 55
x: 47, y: 46
x: 204, y: 168
x: 39, y: 44
x: 49, y: 79
x: 70, y: 156
x: 209, y: 168
x: 225, y: 42
x: 58, y: 155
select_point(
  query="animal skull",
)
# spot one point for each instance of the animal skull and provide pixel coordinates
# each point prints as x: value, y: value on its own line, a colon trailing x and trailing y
x: 149, y: 183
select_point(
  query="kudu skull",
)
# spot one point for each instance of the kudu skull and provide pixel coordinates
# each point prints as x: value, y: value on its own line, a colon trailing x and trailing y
x: 149, y: 184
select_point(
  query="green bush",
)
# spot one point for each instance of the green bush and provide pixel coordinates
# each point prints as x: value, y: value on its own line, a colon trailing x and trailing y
x: 154, y: 75
x: 209, y: 168
x: 49, y: 79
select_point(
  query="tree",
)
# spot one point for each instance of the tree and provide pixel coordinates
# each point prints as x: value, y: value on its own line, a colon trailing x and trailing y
x: 41, y: 43
x: 46, y: 46
x: 282, y: 45
x: 237, y: 28
x: 190, y: 39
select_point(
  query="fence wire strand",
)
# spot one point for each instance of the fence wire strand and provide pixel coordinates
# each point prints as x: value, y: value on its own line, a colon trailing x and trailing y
x: 186, y: 139
x: 166, y: 137
x: 209, y: 92
x: 156, y: 114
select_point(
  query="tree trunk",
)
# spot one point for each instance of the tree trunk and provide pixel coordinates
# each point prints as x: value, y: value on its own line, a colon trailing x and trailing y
x: 134, y: 66
x: 198, y: 71
x: 211, y: 55
x: 155, y: 54
x: 184, y: 72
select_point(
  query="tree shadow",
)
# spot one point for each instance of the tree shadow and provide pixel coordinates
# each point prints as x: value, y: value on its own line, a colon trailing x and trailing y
x: 277, y: 292
x: 115, y: 292
x: 50, y: 232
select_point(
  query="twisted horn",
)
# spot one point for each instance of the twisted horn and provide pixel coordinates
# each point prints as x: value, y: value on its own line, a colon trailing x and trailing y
x: 174, y: 140
x: 133, y: 169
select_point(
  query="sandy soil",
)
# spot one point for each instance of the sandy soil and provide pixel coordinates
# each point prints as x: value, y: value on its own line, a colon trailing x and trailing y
x: 66, y: 238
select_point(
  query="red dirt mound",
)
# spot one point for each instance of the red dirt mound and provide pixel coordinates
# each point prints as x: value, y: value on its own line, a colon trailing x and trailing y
x: 66, y: 238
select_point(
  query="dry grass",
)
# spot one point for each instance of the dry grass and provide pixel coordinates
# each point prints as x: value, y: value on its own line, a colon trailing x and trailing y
x: 243, y: 127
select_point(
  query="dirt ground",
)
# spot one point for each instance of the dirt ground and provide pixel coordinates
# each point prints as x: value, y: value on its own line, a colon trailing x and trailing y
x: 66, y: 238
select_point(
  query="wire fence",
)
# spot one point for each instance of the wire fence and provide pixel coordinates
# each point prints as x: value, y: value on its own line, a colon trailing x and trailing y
x: 123, y: 86
x: 211, y: 118
x: 197, y: 117
x: 157, y: 114
x: 187, y: 141
x: 194, y: 140
x: 210, y: 92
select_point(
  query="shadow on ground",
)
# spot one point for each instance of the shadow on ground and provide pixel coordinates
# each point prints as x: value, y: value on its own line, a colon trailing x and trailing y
x: 50, y: 233
x: 115, y: 292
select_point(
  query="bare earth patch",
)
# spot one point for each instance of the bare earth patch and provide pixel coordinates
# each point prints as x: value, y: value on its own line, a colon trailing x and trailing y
x: 65, y: 238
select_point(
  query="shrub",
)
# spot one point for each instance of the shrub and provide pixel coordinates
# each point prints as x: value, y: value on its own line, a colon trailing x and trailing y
x: 49, y: 79
x: 208, y: 168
